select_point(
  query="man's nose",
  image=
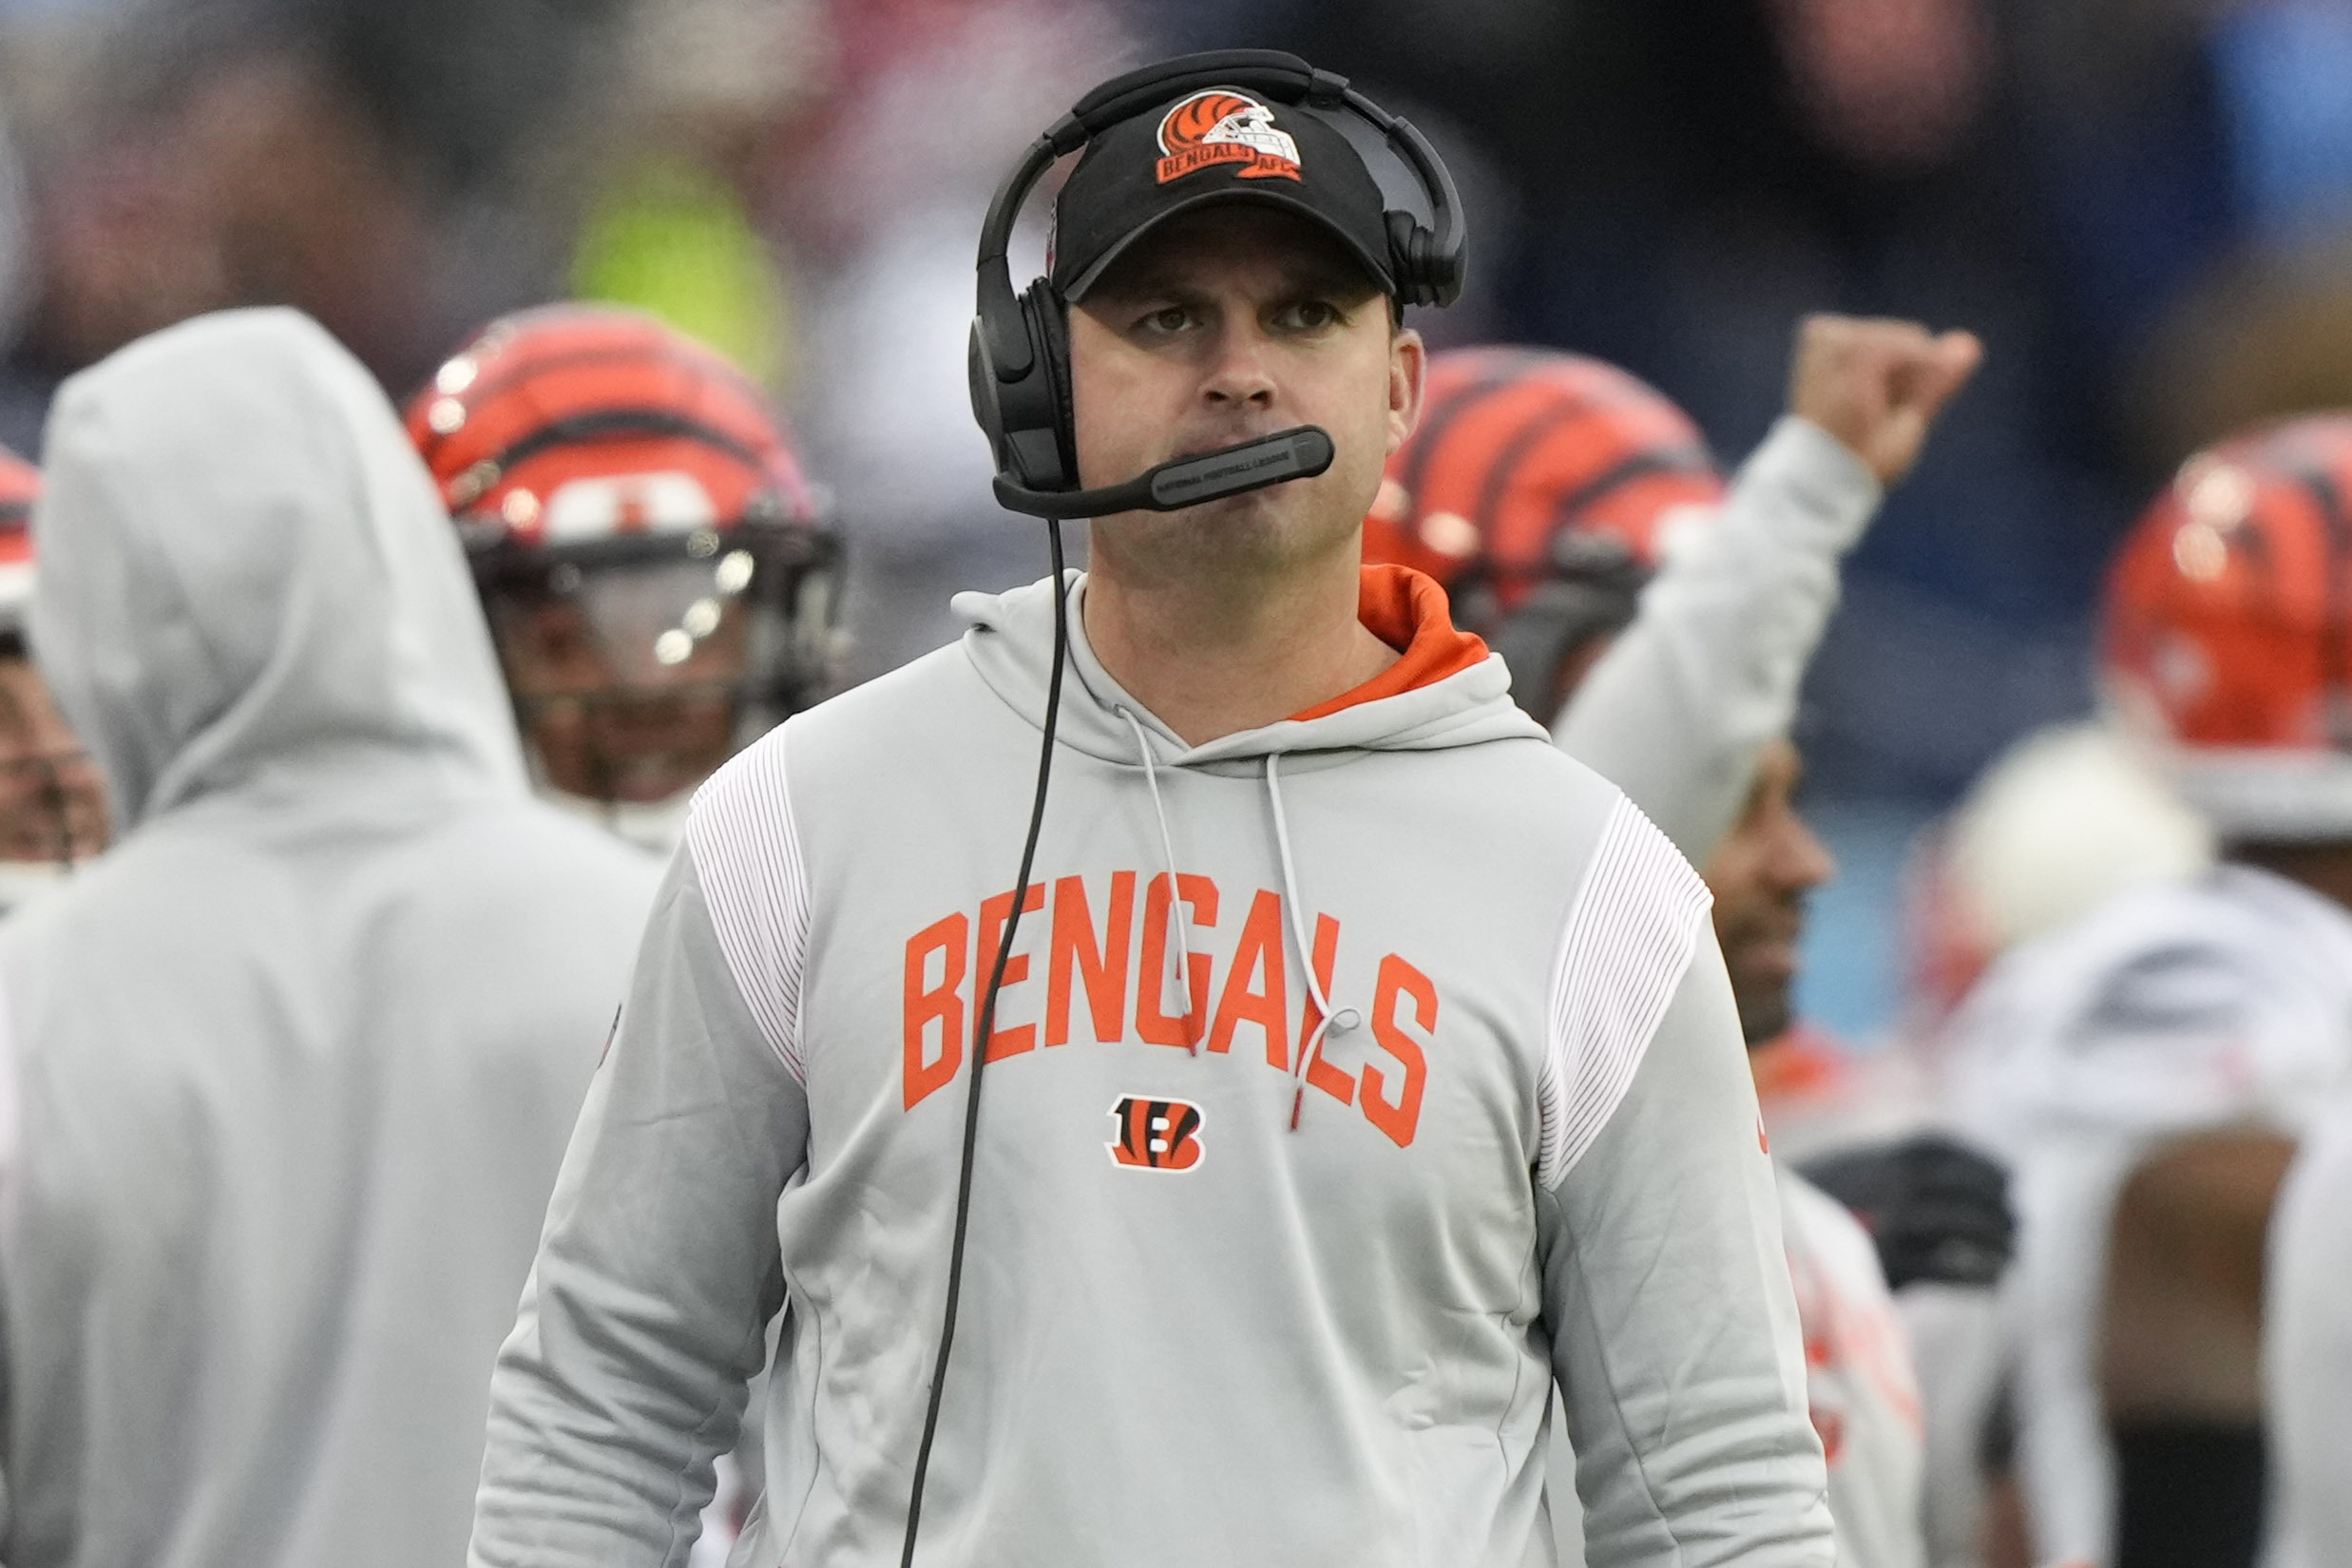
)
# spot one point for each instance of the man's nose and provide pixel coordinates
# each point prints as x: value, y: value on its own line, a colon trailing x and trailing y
x: 1237, y: 375
x: 1802, y: 862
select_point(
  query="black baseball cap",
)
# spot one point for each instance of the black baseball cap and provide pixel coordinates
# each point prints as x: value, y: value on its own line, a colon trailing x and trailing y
x: 1215, y: 146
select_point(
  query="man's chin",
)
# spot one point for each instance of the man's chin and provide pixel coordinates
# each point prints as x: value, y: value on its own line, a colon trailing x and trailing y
x: 1260, y: 530
x: 1268, y: 509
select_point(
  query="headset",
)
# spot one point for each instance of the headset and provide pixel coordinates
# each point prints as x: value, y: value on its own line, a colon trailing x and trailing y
x: 1019, y: 360
x: 1019, y: 370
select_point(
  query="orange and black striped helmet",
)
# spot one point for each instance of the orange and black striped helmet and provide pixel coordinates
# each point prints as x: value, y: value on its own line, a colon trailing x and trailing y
x: 570, y: 424
x: 1539, y: 487
x: 607, y: 470
x: 2227, y: 635
x: 20, y: 487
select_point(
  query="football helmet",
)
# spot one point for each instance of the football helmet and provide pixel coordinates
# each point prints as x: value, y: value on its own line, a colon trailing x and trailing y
x: 1540, y: 488
x: 658, y: 573
x: 2226, y: 640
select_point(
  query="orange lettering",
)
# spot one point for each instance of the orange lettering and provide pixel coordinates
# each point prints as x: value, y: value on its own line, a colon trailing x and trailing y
x: 927, y: 1004
x: 1101, y: 970
x: 1340, y: 1087
x: 1151, y: 1019
x: 1399, y: 1117
x: 1260, y: 947
x: 994, y: 913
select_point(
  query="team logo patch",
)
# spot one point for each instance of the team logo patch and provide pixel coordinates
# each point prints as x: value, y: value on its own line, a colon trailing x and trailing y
x: 1157, y: 1135
x: 1220, y: 126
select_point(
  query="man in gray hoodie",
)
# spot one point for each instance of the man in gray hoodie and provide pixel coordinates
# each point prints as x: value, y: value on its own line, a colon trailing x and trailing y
x: 285, y: 1075
x: 1364, y: 1071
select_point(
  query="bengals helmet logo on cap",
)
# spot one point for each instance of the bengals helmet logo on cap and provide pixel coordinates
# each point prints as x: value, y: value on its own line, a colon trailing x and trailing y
x: 1219, y: 125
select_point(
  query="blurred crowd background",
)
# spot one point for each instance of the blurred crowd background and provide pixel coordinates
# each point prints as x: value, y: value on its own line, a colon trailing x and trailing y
x: 2144, y: 207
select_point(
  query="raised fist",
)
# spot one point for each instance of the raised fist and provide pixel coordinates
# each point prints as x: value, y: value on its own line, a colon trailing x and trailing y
x: 1877, y: 384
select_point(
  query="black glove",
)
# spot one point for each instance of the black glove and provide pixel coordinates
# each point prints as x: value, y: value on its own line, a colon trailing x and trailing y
x: 1938, y: 1210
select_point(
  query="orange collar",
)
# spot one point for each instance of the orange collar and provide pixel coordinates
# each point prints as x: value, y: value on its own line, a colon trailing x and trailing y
x: 1408, y: 611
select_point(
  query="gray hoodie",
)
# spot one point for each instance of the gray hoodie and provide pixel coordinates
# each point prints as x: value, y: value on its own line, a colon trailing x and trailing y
x: 287, y: 1074
x: 1243, y: 1289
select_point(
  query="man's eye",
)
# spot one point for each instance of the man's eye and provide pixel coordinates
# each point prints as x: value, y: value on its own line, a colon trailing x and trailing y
x: 1309, y: 314
x: 1171, y: 319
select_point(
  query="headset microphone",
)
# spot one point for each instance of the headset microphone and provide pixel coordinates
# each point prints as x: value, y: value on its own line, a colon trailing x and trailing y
x: 1299, y: 453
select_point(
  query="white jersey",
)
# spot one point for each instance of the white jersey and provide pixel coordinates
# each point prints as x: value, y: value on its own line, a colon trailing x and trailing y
x: 2170, y: 1010
x: 1858, y: 1380
x: 2307, y: 1348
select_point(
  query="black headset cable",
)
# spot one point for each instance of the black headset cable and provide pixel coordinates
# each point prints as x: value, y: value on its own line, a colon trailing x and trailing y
x: 982, y: 1026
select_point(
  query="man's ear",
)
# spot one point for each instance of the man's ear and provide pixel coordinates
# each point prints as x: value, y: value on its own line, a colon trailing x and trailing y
x: 1409, y: 364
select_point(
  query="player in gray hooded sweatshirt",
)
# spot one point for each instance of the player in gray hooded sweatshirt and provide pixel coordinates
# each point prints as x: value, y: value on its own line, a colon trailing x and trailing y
x: 286, y: 1075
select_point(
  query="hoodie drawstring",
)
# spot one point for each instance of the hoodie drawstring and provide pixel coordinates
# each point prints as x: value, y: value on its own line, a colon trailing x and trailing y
x: 1175, y: 903
x: 1325, y: 1021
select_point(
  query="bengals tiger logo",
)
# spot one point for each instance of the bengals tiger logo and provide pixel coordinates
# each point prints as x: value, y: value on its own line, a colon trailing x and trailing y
x: 1220, y: 126
x: 1157, y: 1135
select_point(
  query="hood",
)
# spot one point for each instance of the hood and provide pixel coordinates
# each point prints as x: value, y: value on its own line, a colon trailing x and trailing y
x: 244, y: 569
x: 1447, y: 690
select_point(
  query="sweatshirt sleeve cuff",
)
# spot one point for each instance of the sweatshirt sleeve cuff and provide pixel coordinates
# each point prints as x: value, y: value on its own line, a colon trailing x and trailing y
x: 1809, y: 482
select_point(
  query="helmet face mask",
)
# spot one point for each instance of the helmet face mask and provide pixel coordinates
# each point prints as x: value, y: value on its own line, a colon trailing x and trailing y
x: 52, y: 805
x: 637, y: 666
x: 1552, y: 623
x: 52, y: 800
x: 658, y: 576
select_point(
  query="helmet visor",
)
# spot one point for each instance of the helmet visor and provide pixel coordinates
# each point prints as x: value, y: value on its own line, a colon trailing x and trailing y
x: 628, y: 678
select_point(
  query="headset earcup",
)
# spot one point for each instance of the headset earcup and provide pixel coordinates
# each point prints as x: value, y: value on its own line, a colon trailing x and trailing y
x: 1032, y: 411
x: 1406, y: 251
x: 980, y: 374
x: 1424, y: 275
x: 1050, y: 326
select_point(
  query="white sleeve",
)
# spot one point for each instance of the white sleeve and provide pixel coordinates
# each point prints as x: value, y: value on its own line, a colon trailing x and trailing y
x: 1676, y: 713
x: 2307, y: 1347
x: 1666, y: 1298
x: 1859, y: 1376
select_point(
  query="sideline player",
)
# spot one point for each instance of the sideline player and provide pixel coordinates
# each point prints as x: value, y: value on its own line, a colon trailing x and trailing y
x: 2145, y: 1068
x: 290, y: 1067
x: 1199, y: 1324
x: 1546, y: 490
x: 658, y: 571
x: 52, y: 808
x: 658, y: 577
x: 1864, y: 1391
